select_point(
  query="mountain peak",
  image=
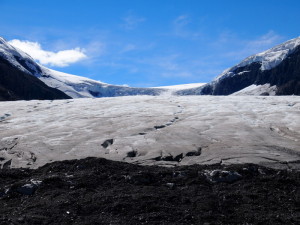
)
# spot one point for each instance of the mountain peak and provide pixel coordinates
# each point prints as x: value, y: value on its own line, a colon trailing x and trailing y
x: 268, y: 59
x: 275, y: 71
x: 272, y: 57
x: 72, y: 85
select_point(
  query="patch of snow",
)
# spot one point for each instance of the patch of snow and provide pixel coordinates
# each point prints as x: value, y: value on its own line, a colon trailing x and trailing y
x: 253, y: 89
x: 182, y: 86
x: 72, y: 85
x: 13, y: 55
x: 241, y: 73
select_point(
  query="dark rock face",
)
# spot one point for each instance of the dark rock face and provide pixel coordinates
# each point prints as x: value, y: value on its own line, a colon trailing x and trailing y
x: 23, y: 62
x: 18, y: 85
x: 107, y: 143
x: 286, y: 76
x: 233, y: 84
x: 99, y: 191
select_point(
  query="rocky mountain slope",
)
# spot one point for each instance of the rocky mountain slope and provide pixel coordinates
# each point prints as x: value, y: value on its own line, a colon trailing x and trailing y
x: 274, y: 72
x: 16, y: 84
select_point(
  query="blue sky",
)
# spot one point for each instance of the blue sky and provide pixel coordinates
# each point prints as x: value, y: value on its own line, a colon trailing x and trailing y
x: 148, y: 43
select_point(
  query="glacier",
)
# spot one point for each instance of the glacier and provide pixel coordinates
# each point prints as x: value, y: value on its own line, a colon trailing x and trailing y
x: 153, y: 130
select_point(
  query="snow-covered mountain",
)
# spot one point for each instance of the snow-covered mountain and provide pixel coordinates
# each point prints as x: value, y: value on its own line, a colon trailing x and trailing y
x: 71, y: 85
x: 18, y: 85
x: 278, y: 67
x: 273, y: 72
x: 16, y: 80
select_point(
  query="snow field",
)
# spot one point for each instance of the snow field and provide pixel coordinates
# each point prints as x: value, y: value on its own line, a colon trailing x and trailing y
x: 147, y: 130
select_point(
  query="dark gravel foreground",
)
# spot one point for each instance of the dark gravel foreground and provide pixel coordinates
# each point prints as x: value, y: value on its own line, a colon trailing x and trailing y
x: 99, y: 191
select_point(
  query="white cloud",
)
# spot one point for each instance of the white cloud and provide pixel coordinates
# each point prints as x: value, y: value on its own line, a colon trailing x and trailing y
x: 181, y: 21
x: 60, y: 59
x: 181, y: 74
x: 167, y: 66
x: 131, y: 22
x: 169, y: 62
x: 128, y: 48
x: 265, y: 41
x: 183, y: 28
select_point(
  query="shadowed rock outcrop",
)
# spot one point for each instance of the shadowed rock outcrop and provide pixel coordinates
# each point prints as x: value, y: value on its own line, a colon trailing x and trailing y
x: 18, y: 85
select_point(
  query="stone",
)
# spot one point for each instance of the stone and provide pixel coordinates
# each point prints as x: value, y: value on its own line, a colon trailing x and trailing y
x: 29, y: 189
x: 217, y: 176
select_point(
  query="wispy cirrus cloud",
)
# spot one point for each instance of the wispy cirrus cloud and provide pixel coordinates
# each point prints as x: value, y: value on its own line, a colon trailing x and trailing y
x: 241, y: 48
x: 130, y: 22
x: 264, y: 42
x: 174, y: 65
x: 181, y: 27
x: 128, y: 48
x: 60, y: 58
x: 181, y: 21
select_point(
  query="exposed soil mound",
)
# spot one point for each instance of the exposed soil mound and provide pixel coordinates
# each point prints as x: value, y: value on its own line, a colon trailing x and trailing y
x: 99, y: 191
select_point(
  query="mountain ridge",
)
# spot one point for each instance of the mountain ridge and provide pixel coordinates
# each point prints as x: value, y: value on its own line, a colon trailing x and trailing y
x: 273, y: 72
x: 72, y: 85
x: 278, y: 66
